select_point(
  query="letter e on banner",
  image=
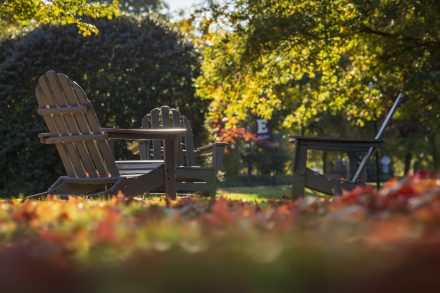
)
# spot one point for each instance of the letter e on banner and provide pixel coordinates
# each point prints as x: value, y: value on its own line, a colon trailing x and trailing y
x: 262, y: 129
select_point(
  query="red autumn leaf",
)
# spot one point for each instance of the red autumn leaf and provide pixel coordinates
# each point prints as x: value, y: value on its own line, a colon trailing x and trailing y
x: 51, y: 237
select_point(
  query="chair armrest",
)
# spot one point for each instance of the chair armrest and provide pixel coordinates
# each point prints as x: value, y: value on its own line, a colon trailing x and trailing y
x: 137, y: 134
x: 336, y: 143
x: 216, y: 150
x: 209, y: 149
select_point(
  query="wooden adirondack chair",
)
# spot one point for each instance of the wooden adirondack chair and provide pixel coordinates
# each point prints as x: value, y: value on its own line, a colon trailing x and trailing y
x: 84, y: 150
x: 190, y: 177
x: 304, y: 177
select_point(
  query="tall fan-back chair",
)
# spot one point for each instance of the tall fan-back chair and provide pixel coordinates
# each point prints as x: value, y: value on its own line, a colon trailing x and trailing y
x: 304, y: 177
x: 189, y: 175
x: 83, y: 146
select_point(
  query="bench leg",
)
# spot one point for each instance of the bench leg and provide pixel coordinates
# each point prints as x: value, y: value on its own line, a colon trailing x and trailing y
x: 170, y: 156
x: 299, y: 170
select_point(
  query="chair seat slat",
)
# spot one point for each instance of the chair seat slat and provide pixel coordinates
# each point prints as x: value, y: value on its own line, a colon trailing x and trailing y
x: 136, y: 172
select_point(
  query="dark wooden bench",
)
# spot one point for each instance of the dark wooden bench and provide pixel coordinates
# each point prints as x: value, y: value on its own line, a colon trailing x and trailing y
x: 304, y: 177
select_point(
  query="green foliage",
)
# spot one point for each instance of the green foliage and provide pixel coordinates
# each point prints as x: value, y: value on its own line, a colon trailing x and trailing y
x: 78, y: 12
x: 131, y: 67
x: 311, y: 57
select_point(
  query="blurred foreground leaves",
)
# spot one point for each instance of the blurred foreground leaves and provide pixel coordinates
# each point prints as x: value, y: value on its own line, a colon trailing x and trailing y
x: 363, y: 241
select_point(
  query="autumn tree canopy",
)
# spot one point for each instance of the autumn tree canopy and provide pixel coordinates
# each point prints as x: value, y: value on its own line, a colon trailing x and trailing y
x: 78, y: 12
x: 313, y: 57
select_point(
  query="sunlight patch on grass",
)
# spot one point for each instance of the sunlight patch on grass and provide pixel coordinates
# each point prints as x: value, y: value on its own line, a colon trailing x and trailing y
x: 254, y: 193
x: 259, y: 193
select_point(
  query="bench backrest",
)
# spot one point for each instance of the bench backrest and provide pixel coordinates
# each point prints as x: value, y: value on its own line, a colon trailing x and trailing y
x: 379, y: 135
x: 390, y: 114
x: 74, y: 127
x: 165, y: 117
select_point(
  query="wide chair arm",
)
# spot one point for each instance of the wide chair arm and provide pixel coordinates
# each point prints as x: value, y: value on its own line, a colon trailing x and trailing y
x: 139, y: 134
x: 336, y: 143
x: 114, y: 133
x: 216, y: 150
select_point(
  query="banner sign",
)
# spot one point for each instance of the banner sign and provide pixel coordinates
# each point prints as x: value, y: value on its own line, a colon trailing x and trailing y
x: 263, y: 131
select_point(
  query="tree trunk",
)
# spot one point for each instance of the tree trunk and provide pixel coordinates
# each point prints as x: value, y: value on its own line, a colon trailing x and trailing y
x: 408, y: 159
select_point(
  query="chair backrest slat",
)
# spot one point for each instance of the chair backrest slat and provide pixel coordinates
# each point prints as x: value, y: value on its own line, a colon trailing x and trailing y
x: 50, y: 90
x: 177, y: 123
x: 165, y: 117
x: 73, y: 116
x: 145, y: 145
x: 165, y: 113
x: 157, y: 145
x: 189, y: 145
x: 93, y: 122
x: 379, y: 134
x: 90, y: 155
x: 51, y: 125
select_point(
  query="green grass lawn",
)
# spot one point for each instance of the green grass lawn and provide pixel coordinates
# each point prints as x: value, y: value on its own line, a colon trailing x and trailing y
x: 258, y: 193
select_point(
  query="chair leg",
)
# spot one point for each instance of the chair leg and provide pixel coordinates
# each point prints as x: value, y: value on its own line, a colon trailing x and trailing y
x: 299, y: 170
x: 57, y: 182
x: 52, y: 190
x: 170, y: 156
x: 35, y: 196
x: 213, y: 191
x: 61, y: 188
x: 213, y: 183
